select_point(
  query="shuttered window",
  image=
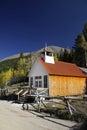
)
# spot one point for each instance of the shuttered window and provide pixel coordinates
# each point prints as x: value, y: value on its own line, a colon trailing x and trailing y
x: 31, y: 82
x: 45, y: 81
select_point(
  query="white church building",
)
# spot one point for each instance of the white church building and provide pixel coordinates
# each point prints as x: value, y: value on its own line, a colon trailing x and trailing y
x: 61, y: 78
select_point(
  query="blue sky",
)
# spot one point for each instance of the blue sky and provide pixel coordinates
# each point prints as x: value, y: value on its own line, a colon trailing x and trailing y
x: 26, y: 25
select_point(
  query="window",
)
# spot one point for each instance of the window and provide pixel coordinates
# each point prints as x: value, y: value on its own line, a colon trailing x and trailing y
x: 45, y: 81
x: 36, y: 83
x: 40, y: 83
x: 38, y: 77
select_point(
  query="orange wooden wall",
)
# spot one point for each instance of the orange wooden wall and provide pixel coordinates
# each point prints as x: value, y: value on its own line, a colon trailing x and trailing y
x: 64, y: 86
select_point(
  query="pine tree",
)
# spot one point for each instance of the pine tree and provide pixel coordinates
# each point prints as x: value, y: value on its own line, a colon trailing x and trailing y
x: 85, y: 31
x: 79, y: 49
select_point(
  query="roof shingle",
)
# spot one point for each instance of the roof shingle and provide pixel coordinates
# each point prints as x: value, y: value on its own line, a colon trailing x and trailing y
x: 62, y: 68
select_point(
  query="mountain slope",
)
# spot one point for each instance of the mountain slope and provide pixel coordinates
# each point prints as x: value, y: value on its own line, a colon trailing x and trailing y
x: 56, y: 49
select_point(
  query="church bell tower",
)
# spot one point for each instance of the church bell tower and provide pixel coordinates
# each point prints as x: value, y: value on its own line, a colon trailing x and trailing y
x: 47, y: 55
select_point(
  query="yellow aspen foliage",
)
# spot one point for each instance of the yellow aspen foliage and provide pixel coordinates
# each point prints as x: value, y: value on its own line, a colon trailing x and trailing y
x: 21, y: 72
x: 23, y: 66
x: 5, y: 78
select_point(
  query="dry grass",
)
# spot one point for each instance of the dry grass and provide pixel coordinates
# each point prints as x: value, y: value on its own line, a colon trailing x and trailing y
x: 81, y: 106
x: 60, y: 110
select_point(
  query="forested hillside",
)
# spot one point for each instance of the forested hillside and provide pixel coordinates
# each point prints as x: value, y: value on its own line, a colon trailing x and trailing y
x: 15, y: 70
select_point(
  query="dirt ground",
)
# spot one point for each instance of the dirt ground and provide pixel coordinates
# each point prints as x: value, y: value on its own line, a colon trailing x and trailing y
x: 12, y: 117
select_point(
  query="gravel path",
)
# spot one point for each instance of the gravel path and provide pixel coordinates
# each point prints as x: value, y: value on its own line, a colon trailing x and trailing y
x: 12, y: 117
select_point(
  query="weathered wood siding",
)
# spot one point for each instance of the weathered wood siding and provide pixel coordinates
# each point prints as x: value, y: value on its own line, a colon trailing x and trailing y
x: 63, y: 86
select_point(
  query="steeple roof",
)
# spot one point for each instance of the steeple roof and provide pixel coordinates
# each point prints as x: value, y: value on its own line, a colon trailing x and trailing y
x: 47, y: 49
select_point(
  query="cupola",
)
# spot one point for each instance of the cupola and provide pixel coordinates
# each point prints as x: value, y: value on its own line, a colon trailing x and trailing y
x: 47, y: 55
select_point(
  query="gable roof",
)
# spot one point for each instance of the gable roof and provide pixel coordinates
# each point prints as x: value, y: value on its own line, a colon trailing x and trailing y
x: 62, y: 69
